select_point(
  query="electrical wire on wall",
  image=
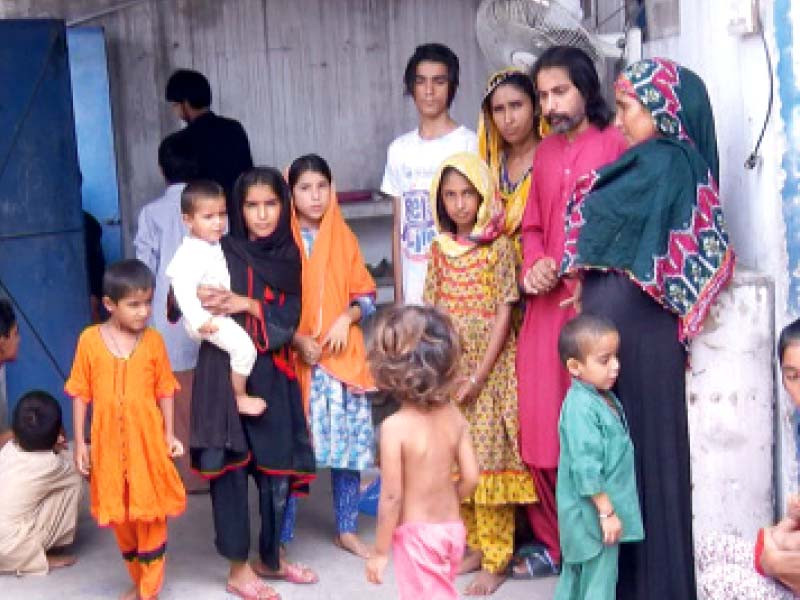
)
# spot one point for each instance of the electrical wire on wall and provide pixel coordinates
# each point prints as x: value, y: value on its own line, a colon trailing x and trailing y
x: 753, y: 158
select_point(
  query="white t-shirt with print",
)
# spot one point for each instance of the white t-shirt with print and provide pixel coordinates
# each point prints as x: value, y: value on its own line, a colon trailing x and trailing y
x: 411, y: 163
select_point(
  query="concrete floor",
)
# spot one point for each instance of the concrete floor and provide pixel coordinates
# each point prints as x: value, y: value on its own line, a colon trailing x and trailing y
x: 196, y: 572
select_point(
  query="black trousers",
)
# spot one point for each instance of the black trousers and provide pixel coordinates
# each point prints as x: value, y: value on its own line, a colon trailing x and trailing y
x: 229, y: 503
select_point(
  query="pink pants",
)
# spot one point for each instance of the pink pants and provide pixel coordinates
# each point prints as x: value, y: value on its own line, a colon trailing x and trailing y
x: 426, y: 559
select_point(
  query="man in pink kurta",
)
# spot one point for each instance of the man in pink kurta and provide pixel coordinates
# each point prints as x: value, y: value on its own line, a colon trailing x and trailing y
x: 572, y: 103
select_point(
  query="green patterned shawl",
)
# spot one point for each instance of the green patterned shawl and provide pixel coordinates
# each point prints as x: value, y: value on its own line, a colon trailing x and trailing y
x: 655, y: 213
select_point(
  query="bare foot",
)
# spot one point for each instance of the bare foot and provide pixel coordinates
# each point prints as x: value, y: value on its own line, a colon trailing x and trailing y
x: 485, y: 583
x: 352, y: 543
x: 252, y: 406
x: 471, y: 561
x: 57, y: 561
x: 131, y: 594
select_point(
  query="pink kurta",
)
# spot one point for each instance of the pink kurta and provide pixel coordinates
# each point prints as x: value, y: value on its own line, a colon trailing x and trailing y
x: 543, y: 381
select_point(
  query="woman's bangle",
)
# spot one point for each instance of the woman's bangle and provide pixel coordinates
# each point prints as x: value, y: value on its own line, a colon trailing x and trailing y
x: 610, y: 513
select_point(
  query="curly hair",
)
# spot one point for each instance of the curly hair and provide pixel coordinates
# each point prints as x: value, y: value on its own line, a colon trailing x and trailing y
x: 415, y: 355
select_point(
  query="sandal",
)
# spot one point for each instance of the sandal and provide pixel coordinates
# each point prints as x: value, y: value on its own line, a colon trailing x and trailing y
x: 253, y: 590
x: 291, y: 572
x: 535, y: 562
x: 299, y: 573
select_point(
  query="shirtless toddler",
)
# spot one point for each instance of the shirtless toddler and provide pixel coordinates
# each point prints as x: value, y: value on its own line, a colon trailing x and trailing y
x: 428, y: 464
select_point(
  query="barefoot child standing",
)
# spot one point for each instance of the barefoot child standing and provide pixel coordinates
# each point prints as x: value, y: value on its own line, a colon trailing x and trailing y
x: 415, y: 356
x: 121, y: 367
x: 471, y: 276
x: 338, y: 293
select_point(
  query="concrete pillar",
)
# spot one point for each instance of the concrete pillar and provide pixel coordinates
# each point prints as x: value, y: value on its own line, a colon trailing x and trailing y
x: 732, y: 417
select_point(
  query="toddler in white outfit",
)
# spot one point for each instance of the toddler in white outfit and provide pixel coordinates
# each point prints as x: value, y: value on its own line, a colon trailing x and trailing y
x: 199, y: 261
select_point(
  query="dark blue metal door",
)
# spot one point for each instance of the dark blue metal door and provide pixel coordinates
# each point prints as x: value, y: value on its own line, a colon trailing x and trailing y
x: 41, y: 225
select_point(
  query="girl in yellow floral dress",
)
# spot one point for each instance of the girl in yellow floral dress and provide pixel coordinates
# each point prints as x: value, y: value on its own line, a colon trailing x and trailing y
x: 471, y: 275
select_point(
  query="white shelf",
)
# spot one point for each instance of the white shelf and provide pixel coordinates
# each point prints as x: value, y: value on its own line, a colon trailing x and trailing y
x: 378, y: 207
x: 384, y: 295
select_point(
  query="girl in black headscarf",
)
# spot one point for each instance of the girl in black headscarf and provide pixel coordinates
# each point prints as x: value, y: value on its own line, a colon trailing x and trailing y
x: 274, y: 448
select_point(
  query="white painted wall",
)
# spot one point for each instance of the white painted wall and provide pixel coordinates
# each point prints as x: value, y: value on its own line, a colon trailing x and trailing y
x: 736, y: 390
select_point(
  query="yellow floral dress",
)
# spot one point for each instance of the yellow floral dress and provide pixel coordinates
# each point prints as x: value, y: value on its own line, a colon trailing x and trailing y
x: 471, y: 287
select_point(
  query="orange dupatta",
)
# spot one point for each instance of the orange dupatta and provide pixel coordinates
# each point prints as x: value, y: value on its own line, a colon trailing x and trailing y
x: 333, y: 275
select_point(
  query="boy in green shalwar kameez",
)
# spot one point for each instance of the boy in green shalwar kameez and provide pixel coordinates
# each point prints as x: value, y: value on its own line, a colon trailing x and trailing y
x: 598, y: 506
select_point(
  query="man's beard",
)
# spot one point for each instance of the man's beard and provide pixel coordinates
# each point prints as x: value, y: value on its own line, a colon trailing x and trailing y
x: 563, y: 122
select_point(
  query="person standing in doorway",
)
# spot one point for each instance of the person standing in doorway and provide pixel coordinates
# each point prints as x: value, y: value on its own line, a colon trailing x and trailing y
x: 581, y: 140
x: 221, y: 144
x: 158, y: 235
x: 431, y: 79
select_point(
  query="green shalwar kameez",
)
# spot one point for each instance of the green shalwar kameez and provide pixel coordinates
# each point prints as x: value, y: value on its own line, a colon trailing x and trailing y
x: 596, y: 456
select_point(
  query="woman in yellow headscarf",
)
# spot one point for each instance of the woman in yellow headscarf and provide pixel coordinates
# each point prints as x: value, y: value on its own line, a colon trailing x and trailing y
x: 472, y: 276
x: 508, y: 133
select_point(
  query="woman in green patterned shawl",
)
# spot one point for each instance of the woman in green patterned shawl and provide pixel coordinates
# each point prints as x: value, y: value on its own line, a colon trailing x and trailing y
x: 647, y: 235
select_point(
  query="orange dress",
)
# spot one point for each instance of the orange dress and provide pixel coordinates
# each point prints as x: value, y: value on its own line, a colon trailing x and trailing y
x: 133, y: 477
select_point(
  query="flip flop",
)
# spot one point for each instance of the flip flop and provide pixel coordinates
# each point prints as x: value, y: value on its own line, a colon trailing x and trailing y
x: 292, y: 573
x: 535, y: 565
x: 299, y: 573
x: 253, y: 590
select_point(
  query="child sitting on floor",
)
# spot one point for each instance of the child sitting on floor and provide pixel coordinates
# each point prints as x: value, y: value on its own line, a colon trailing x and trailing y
x: 40, y: 491
x: 122, y: 368
x: 415, y: 356
x: 598, y: 506
x: 199, y: 261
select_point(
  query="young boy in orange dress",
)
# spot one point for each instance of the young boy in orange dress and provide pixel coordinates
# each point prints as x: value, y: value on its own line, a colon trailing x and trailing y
x: 122, y: 368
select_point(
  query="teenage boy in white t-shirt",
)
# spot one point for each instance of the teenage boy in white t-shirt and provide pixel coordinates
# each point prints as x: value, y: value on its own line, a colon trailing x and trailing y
x: 431, y: 79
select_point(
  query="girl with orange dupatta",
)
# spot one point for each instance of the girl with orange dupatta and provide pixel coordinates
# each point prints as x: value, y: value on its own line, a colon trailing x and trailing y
x: 338, y: 292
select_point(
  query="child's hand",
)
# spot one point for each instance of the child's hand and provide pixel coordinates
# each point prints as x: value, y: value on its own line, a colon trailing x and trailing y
x: 376, y: 564
x: 308, y: 349
x: 612, y: 529
x: 207, y: 328
x: 61, y: 444
x: 468, y: 390
x: 174, y: 446
x: 336, y: 339
x: 81, y: 456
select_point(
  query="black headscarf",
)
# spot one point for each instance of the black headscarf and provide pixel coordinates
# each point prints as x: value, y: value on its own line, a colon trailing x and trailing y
x: 276, y: 257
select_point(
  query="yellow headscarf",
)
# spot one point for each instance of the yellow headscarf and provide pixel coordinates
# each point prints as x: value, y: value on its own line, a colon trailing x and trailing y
x: 491, y: 217
x: 490, y: 147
